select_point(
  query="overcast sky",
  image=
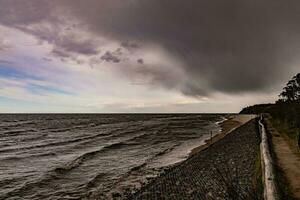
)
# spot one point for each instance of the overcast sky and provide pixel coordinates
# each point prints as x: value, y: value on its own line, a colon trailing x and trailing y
x: 145, y: 55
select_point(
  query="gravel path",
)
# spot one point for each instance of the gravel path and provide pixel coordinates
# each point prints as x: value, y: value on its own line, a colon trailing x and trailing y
x: 225, y: 170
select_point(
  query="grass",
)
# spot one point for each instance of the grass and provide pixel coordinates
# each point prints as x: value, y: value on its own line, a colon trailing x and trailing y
x: 288, y: 133
x: 285, y: 128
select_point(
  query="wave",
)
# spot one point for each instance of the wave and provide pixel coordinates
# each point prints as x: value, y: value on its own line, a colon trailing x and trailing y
x: 15, y: 158
x: 93, y: 182
x: 140, y: 174
x: 223, y: 119
x: 112, y: 133
x: 89, y: 155
x: 26, y: 188
x: 9, y: 181
x: 33, y: 138
x: 58, y: 130
x: 55, y: 143
x: 12, y: 133
x: 157, y: 155
x: 86, y: 159
x: 119, y: 132
x: 9, y: 124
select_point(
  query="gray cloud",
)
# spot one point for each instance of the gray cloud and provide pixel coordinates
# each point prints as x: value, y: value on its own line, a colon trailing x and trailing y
x: 66, y: 43
x: 47, y: 59
x: 130, y: 45
x: 47, y: 21
x: 6, y: 62
x: 85, y: 47
x: 60, y: 53
x: 16, y: 12
x: 230, y: 46
x: 140, y: 61
x: 4, y: 46
x: 110, y: 57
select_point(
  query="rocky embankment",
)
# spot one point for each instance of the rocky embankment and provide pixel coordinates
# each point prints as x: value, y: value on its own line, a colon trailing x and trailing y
x: 225, y: 170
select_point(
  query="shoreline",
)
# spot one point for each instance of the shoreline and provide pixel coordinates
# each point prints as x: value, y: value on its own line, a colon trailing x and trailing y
x: 204, y: 175
x: 227, y: 125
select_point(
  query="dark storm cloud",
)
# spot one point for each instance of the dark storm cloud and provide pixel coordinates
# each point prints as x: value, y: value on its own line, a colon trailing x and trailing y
x: 229, y: 46
x: 18, y: 12
x: 140, y: 61
x: 110, y: 57
x: 60, y: 53
x: 68, y: 43
x: 47, y: 21
x: 129, y: 45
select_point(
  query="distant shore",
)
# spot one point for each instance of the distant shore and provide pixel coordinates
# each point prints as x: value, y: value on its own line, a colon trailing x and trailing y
x: 232, y: 122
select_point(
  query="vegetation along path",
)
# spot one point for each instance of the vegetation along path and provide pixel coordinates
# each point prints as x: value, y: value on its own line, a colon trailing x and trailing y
x: 287, y: 160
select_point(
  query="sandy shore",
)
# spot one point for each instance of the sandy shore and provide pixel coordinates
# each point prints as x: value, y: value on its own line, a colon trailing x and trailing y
x: 230, y: 124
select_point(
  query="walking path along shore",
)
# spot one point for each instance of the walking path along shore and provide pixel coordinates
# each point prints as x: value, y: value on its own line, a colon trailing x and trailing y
x: 287, y: 160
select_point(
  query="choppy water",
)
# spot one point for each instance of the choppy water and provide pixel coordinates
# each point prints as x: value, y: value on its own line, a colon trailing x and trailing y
x: 91, y: 156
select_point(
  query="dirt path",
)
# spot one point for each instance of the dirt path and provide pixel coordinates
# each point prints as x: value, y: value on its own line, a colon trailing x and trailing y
x: 288, y: 161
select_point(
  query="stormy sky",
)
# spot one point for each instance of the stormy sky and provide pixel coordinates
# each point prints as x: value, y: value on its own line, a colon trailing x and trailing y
x: 145, y: 55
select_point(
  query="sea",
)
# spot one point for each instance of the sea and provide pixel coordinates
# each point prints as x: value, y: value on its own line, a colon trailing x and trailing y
x: 94, y: 156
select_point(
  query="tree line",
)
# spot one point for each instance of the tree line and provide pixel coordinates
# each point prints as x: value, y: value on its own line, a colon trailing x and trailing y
x: 286, y: 109
x: 291, y: 92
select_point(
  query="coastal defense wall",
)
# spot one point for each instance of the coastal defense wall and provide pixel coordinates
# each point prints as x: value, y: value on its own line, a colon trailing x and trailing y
x: 269, y: 181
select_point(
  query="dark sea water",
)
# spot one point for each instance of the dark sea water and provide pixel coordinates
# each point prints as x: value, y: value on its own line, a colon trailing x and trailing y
x: 93, y: 156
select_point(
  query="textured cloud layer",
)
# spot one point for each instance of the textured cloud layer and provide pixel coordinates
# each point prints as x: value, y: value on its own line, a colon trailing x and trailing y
x: 230, y: 46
